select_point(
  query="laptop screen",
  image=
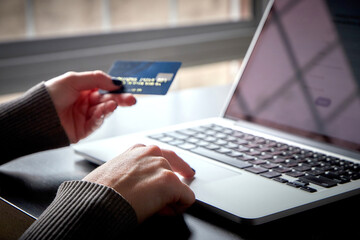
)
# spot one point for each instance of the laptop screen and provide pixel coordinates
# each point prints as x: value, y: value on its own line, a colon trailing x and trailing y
x: 303, y: 74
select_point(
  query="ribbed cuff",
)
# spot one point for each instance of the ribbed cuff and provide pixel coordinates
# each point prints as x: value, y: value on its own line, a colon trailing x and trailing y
x: 84, y: 210
x: 30, y: 124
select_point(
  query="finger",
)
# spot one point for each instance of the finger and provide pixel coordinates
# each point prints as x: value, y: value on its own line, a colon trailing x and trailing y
x: 138, y: 145
x: 121, y: 99
x: 90, y: 80
x: 176, y: 208
x: 102, y: 109
x: 98, y: 115
x: 178, y: 164
x: 186, y: 199
x: 93, y: 123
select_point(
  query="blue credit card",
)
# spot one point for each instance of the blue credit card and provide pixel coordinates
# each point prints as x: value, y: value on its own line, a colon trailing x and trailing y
x: 143, y: 77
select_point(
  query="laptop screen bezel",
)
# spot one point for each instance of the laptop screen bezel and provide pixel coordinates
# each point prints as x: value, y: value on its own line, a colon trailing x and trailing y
x: 247, y: 56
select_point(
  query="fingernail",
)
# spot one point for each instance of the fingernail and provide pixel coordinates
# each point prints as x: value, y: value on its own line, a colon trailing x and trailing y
x: 193, y: 170
x: 117, y: 82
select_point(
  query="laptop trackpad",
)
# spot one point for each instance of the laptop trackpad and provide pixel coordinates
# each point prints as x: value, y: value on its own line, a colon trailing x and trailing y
x: 206, y: 171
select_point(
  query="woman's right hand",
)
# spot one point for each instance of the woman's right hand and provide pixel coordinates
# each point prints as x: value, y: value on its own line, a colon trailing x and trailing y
x: 144, y: 176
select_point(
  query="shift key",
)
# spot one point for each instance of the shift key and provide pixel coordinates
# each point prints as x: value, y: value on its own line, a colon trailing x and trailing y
x: 319, y: 180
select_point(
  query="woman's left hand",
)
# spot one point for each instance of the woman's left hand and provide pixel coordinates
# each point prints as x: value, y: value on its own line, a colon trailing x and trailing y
x: 81, y: 108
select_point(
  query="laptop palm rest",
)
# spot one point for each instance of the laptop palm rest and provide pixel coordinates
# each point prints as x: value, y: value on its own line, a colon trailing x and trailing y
x: 216, y: 185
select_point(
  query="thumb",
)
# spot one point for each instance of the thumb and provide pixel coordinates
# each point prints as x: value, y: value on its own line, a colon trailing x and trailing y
x: 90, y: 80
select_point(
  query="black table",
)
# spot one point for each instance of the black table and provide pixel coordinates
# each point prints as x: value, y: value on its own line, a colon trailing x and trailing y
x: 31, y: 182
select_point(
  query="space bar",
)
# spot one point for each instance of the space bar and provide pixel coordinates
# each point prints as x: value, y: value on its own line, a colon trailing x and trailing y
x: 221, y: 158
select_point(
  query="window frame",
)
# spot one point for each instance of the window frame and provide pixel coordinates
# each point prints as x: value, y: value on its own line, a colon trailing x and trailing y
x: 25, y: 63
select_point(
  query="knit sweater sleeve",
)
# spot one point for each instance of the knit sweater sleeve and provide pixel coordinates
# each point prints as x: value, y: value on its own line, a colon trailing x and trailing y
x: 84, y: 210
x: 80, y: 210
x: 30, y: 124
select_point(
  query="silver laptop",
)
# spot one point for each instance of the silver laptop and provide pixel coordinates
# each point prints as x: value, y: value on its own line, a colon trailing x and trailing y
x: 289, y: 137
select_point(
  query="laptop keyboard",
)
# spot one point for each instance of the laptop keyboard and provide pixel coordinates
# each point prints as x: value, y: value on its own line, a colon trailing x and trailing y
x: 264, y: 157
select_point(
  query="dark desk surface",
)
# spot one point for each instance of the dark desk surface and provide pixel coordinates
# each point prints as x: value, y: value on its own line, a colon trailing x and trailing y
x: 31, y: 182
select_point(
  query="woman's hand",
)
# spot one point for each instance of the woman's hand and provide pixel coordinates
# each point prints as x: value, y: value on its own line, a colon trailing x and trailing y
x: 144, y: 176
x: 80, y: 107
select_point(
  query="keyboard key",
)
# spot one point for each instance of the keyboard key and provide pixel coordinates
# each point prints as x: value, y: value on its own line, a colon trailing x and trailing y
x: 210, y: 132
x: 188, y: 132
x: 308, y: 189
x: 337, y: 177
x: 224, y: 150
x: 293, y: 184
x: 301, y: 183
x: 228, y: 131
x: 237, y: 134
x: 192, y: 140
x: 356, y: 168
x: 256, y: 170
x: 177, y: 135
x: 325, y: 167
x: 290, y: 163
x: 252, y: 145
x: 217, y: 128
x: 344, y: 179
x: 270, y: 165
x: 176, y: 142
x: 221, y: 142
x: 312, y: 163
x: 355, y: 176
x: 220, y: 157
x: 319, y: 180
x: 331, y: 175
x: 282, y: 169
x: 166, y: 139
x: 277, y: 160
x: 302, y: 167
x: 315, y: 172
x: 187, y: 146
x: 220, y: 135
x: 281, y: 180
x: 246, y: 158
x: 270, y: 174
x: 210, y: 139
x: 199, y: 129
x: 278, y: 153
x: 241, y: 141
x: 260, y: 140
x: 231, y: 145
x: 212, y: 146
x: 157, y: 136
x: 200, y: 135
x: 270, y: 144
x: 249, y: 137
x: 266, y: 149
x: 295, y: 174
x: 202, y: 143
x: 231, y: 139
x: 234, y: 154
x: 282, y: 147
x: 266, y: 156
x: 257, y: 161
x: 254, y: 153
x: 243, y: 149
